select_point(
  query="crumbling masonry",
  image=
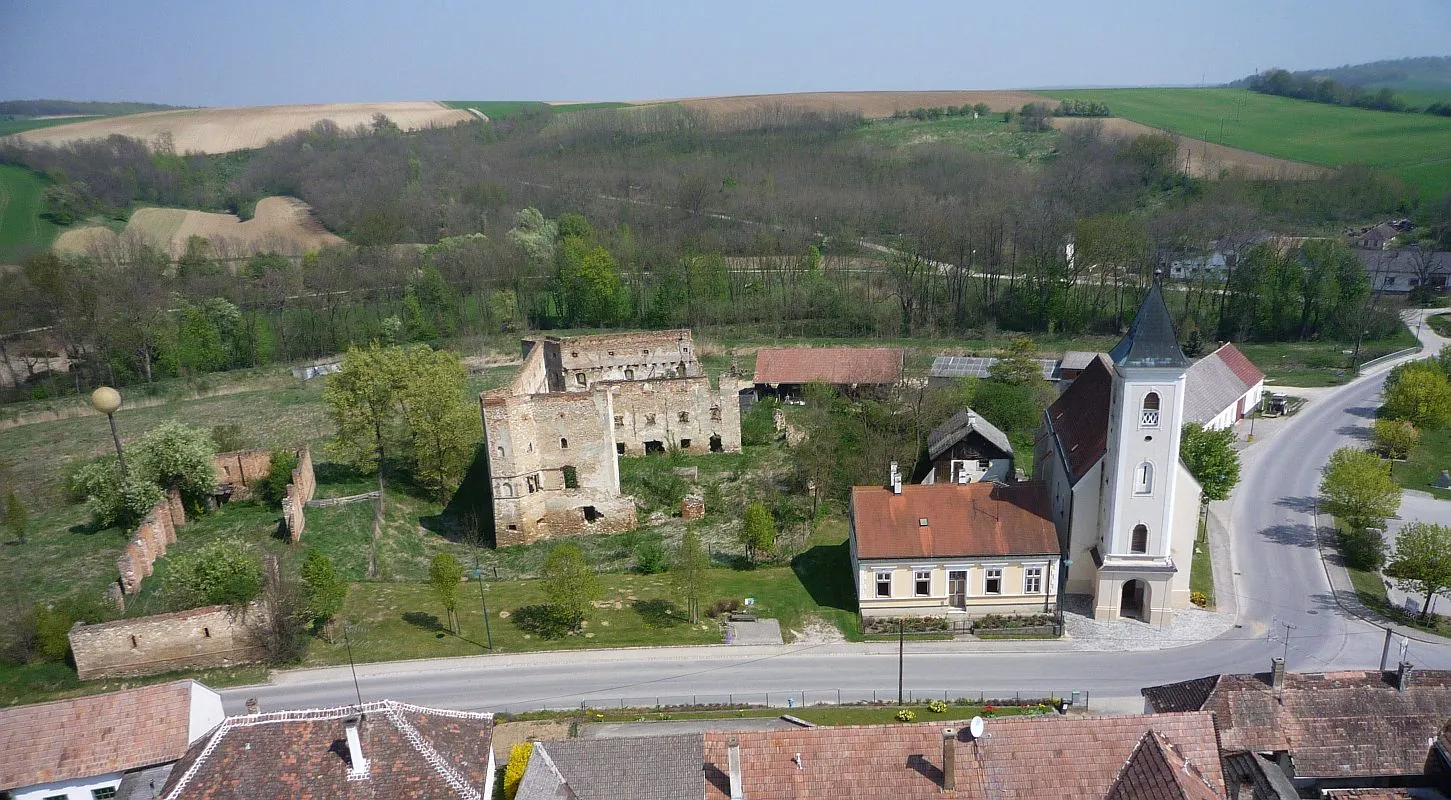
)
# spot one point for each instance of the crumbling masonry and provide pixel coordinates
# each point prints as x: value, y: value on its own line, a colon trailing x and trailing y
x: 555, y: 434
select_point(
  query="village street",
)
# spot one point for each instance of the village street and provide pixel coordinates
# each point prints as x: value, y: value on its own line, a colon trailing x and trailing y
x: 1281, y: 586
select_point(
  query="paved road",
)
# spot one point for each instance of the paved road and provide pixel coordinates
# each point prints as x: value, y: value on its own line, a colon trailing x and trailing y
x: 1279, y: 578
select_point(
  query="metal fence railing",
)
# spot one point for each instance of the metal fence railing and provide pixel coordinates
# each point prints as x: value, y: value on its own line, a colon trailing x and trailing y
x: 801, y: 699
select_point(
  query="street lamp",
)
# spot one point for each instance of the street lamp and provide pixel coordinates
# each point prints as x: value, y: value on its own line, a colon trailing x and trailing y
x: 483, y: 604
x: 107, y: 401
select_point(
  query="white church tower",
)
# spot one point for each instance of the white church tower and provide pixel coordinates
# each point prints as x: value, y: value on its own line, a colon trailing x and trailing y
x: 1147, y: 513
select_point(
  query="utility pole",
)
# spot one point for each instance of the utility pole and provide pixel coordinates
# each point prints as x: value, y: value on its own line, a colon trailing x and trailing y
x: 483, y: 604
x: 1385, y: 652
x: 901, y: 639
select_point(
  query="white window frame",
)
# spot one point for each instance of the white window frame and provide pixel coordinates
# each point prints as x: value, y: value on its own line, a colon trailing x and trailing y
x: 878, y: 575
x: 1149, y: 417
x: 1028, y: 570
x: 917, y: 573
x: 987, y: 569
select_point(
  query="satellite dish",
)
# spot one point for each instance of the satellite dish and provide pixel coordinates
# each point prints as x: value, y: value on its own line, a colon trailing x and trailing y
x: 975, y: 727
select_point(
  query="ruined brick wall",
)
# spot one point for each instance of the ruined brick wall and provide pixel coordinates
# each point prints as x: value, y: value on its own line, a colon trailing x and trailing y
x: 583, y: 361
x: 684, y: 413
x: 299, y: 490
x: 148, y: 543
x: 241, y: 470
x: 197, y: 639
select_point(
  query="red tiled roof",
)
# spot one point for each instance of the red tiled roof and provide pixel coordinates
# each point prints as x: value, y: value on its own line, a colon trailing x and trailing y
x: 975, y: 519
x: 1334, y: 724
x: 1079, y: 418
x: 1158, y: 771
x: 412, y: 753
x: 833, y: 365
x: 94, y: 735
x: 1243, y: 368
x: 1027, y: 757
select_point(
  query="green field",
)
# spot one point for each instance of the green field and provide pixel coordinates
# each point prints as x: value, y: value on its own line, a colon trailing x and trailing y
x: 22, y: 230
x: 22, y: 124
x: 1413, y: 147
x: 988, y: 134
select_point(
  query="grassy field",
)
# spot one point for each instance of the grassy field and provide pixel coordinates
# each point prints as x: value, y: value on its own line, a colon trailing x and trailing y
x: 1309, y: 364
x: 1413, y: 147
x: 22, y: 124
x: 1431, y: 456
x: 827, y: 715
x: 22, y: 230
x: 1441, y: 324
x: 988, y: 134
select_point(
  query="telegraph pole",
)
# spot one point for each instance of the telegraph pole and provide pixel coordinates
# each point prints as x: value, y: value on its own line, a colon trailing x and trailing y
x: 901, y: 639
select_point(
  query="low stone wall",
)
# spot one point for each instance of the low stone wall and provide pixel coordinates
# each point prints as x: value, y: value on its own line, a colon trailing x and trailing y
x: 156, y: 531
x: 200, y: 638
x: 300, y: 490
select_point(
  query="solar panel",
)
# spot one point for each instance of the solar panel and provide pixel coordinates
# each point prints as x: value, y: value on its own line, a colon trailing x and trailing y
x: 980, y: 367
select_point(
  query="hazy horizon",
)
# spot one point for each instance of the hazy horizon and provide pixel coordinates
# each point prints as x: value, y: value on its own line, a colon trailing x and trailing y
x: 274, y: 52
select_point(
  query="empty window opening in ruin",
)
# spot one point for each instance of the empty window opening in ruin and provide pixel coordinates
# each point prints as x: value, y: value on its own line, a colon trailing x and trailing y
x: 133, y: 641
x: 506, y: 489
x: 629, y: 374
x: 684, y: 416
x: 646, y: 351
x: 715, y: 444
x: 206, y: 633
x: 574, y: 354
x: 563, y: 443
x: 680, y: 370
x: 684, y: 444
x: 715, y: 413
x: 591, y: 514
x: 571, y: 477
x: 501, y: 451
x: 649, y: 419
x: 620, y: 448
x: 513, y: 527
x: 654, y: 447
x: 612, y: 352
x: 579, y: 378
x: 619, y: 420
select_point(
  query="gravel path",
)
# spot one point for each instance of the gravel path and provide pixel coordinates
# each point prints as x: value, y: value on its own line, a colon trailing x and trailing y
x: 1190, y: 626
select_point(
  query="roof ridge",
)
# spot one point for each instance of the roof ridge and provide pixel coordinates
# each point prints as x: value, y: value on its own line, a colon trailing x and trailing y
x: 554, y: 768
x: 457, y: 782
x: 1189, y: 766
x: 201, y: 758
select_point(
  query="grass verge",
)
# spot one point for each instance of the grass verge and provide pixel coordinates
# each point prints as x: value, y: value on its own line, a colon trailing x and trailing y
x: 1370, y: 588
x: 42, y: 682
x: 1424, y: 464
x: 1201, y: 570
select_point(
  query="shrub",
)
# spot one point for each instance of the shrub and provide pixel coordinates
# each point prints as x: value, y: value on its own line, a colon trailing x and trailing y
x: 906, y: 715
x: 545, y: 620
x: 1395, y: 438
x: 1007, y: 621
x: 937, y: 706
x: 273, y: 489
x: 177, y: 456
x: 111, y: 499
x: 1199, y: 599
x: 325, y: 593
x: 223, y: 572
x: 723, y: 607
x: 1363, y: 549
x: 758, y: 426
x: 651, y: 558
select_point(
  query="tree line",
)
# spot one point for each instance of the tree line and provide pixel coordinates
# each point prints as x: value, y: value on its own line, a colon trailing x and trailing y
x: 1316, y: 89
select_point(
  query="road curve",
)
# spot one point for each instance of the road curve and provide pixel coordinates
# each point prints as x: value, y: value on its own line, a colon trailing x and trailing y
x: 1279, y: 579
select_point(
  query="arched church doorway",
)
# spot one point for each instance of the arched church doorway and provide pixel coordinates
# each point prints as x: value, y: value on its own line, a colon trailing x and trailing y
x: 1134, y: 603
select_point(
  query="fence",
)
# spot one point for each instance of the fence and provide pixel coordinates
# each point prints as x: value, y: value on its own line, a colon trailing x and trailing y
x: 804, y: 698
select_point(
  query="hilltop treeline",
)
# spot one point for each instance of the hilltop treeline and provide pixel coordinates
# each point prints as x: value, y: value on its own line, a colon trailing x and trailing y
x: 63, y: 108
x: 1319, y: 89
x: 782, y: 221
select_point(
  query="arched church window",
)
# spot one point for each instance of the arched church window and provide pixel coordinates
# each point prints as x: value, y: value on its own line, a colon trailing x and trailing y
x: 1140, y: 541
x: 1144, y: 478
x: 1149, y: 416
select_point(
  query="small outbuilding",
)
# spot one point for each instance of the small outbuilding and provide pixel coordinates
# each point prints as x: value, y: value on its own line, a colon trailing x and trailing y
x: 967, y: 449
x: 1222, y: 388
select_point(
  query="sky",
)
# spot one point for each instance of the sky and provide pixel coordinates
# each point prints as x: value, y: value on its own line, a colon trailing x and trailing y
x: 257, y: 52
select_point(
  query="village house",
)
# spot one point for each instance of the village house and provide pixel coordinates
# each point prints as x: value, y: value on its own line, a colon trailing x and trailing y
x: 603, y: 769
x: 1403, y: 269
x: 967, y: 449
x: 383, y: 749
x: 1317, y: 732
x: 1124, y: 506
x: 554, y: 435
x: 953, y: 549
x: 1222, y: 388
x: 113, y: 745
x: 783, y: 372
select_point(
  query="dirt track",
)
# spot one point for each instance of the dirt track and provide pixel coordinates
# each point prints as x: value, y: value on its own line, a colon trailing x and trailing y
x: 280, y: 225
x: 222, y: 130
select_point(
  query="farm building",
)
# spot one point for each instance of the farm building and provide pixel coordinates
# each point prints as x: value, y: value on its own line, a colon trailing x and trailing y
x: 947, y: 369
x: 1222, y: 388
x: 1405, y: 269
x: 785, y: 371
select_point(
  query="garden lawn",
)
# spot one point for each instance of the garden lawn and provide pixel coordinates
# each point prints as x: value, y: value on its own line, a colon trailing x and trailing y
x: 1425, y: 463
x: 1410, y: 146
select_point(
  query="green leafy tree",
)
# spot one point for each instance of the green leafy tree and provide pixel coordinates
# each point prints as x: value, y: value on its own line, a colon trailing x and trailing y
x: 1356, y: 488
x: 273, y: 489
x: 535, y: 235
x: 221, y: 572
x: 1019, y: 366
x: 443, y: 427
x: 569, y: 583
x: 690, y: 573
x: 177, y: 456
x: 362, y: 400
x: 1419, y: 393
x: 1210, y: 457
x: 758, y: 530
x: 325, y: 592
x: 114, y: 501
x: 17, y: 519
x: 444, y: 574
x: 588, y: 284
x: 1395, y: 438
x: 1421, y: 562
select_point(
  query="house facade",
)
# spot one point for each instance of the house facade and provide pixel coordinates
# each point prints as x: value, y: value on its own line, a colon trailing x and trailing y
x: 953, y: 549
x: 1124, y: 506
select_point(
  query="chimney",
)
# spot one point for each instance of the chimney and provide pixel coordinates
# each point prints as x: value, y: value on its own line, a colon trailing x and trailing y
x: 1403, y: 676
x: 949, y: 759
x: 1277, y: 673
x: 896, y: 479
x: 358, y: 765
x: 733, y: 762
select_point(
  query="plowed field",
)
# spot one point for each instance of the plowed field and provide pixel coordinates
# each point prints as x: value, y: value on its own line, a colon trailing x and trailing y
x: 280, y: 225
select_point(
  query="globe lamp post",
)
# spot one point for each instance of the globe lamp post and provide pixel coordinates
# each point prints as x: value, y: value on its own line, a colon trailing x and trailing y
x: 107, y: 401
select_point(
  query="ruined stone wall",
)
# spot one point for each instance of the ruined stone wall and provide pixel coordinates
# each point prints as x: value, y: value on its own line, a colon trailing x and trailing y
x: 241, y: 470
x: 197, y: 639
x: 684, y: 413
x: 583, y: 361
x: 149, y: 542
x: 299, y: 490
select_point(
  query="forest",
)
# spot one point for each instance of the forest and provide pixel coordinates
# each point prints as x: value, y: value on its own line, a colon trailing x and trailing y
x: 784, y: 221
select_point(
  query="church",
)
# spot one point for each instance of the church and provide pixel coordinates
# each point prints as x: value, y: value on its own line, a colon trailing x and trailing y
x: 1125, y: 508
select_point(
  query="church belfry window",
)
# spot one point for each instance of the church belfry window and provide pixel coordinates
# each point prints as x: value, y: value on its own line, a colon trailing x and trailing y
x: 1149, y: 415
x: 1140, y: 541
x: 1144, y: 478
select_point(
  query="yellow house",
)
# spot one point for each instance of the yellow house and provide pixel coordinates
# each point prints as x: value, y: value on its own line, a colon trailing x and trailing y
x: 953, y: 549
